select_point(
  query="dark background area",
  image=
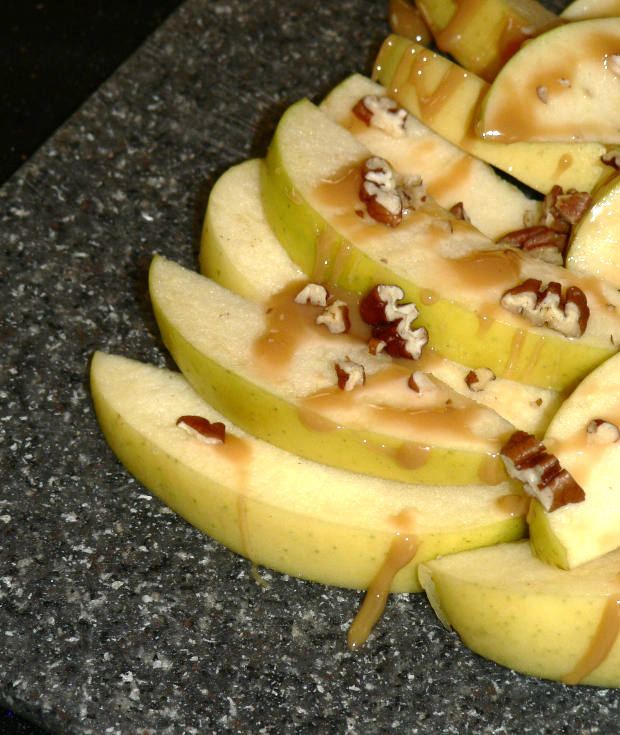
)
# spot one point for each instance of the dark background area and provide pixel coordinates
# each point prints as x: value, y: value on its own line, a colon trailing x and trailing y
x: 53, y: 55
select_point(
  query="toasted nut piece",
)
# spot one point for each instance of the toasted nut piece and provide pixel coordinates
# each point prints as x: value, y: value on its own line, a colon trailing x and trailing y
x: 375, y: 346
x: 548, y: 308
x: 203, y: 429
x: 458, y: 210
x: 573, y: 205
x: 543, y: 93
x: 350, y: 374
x: 387, y: 199
x: 602, y: 432
x: 540, y: 241
x: 479, y: 379
x: 612, y: 158
x: 421, y: 383
x: 313, y: 293
x: 380, y: 305
x: 335, y: 316
x: 384, y: 113
x: 526, y: 459
x: 400, y: 340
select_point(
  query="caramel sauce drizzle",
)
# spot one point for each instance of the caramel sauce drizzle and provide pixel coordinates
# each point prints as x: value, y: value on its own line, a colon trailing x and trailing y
x: 514, y: 505
x: 492, y: 470
x: 402, y: 551
x: 601, y: 644
x: 457, y: 175
x: 405, y: 20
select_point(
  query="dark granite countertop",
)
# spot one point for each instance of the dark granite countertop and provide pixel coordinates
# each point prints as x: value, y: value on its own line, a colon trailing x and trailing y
x: 115, y: 615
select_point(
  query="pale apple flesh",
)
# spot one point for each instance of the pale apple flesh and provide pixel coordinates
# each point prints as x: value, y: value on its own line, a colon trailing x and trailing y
x: 447, y: 98
x: 278, y: 510
x: 514, y: 609
x: 585, y: 9
x: 252, y: 262
x: 483, y: 35
x: 579, y: 532
x: 311, y: 202
x: 493, y: 205
x: 561, y: 86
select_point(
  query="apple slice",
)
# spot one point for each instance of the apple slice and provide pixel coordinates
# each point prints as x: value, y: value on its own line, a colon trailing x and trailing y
x: 240, y: 252
x: 454, y: 275
x: 584, y: 9
x: 278, y: 510
x: 447, y: 98
x: 273, y: 372
x: 594, y: 245
x: 584, y: 435
x: 563, y: 85
x: 483, y: 34
x: 493, y: 205
x: 512, y: 608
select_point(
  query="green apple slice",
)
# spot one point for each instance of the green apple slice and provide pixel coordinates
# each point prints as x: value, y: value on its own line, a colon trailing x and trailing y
x: 584, y: 9
x: 590, y: 451
x: 272, y: 371
x: 563, y: 85
x: 493, y: 205
x: 512, y: 608
x: 311, y: 199
x: 278, y: 510
x: 594, y: 246
x: 241, y: 253
x: 483, y: 34
x: 447, y: 98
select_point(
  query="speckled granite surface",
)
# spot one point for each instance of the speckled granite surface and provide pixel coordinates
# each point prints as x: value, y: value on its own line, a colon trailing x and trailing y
x: 115, y: 615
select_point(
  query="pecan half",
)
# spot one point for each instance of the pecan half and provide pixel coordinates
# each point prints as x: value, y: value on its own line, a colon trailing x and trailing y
x: 479, y: 379
x: 526, y: 459
x: 540, y: 241
x: 350, y: 374
x: 547, y: 307
x: 602, y: 432
x: 207, y: 431
x: 387, y: 200
x: 383, y: 113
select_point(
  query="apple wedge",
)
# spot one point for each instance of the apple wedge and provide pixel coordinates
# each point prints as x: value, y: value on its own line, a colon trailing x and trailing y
x: 240, y: 252
x: 447, y: 98
x: 584, y: 435
x: 273, y: 371
x: 594, y: 246
x: 456, y: 276
x: 493, y: 205
x: 278, y: 510
x: 584, y: 9
x: 512, y: 608
x: 563, y: 85
x: 483, y: 34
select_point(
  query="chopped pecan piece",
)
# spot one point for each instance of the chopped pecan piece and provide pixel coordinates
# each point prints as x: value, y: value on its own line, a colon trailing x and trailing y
x: 479, y: 379
x: 335, y: 316
x: 458, y: 210
x: 526, y: 459
x: 400, y: 340
x: 207, y: 431
x: 602, y: 432
x: 350, y: 374
x: 612, y: 158
x: 313, y: 293
x: 421, y: 383
x: 384, y: 113
x: 561, y: 210
x: 386, y: 199
x: 547, y: 307
x: 540, y: 241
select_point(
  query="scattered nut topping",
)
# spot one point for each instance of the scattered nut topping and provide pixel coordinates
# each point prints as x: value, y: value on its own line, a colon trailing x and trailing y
x: 561, y: 210
x: 350, y: 374
x: 383, y: 113
x: 387, y: 199
x: 602, y: 432
x: 526, y: 459
x: 421, y: 383
x: 375, y: 345
x: 211, y: 433
x: 612, y: 158
x: 540, y: 241
x: 477, y: 380
x: 542, y: 93
x: 391, y: 322
x: 458, y: 210
x: 335, y: 316
x: 314, y: 294
x: 546, y: 307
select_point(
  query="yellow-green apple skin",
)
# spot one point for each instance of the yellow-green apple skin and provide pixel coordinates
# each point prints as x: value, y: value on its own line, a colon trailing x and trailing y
x: 252, y: 262
x: 278, y: 510
x: 493, y: 205
x: 447, y: 98
x: 584, y: 9
x: 483, y: 34
x: 563, y: 85
x: 224, y: 345
x: 512, y: 608
x: 578, y: 532
x: 594, y: 245
x: 236, y: 238
x: 310, y: 197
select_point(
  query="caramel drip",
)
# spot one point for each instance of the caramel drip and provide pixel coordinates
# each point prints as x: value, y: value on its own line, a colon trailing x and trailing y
x: 457, y: 176
x: 315, y: 422
x: 401, y: 77
x: 601, y: 644
x: 406, y: 21
x: 486, y: 318
x: 516, y: 506
x: 410, y: 456
x: 429, y: 297
x: 402, y: 551
x: 242, y: 516
x: 492, y: 470
x: 324, y: 244
x: 462, y: 19
x: 516, y: 349
x: 432, y: 104
x: 564, y: 163
x: 493, y: 271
